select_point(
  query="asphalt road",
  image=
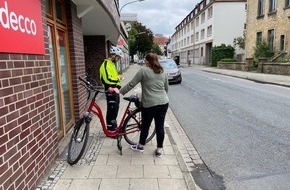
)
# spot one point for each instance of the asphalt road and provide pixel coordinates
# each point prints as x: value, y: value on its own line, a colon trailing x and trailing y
x: 240, y: 128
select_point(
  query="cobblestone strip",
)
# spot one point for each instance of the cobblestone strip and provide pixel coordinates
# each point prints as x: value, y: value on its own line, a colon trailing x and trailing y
x: 54, y: 175
x: 187, y: 150
x: 184, y: 149
x: 89, y: 158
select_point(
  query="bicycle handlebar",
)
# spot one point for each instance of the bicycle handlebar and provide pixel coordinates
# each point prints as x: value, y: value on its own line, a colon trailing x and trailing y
x: 89, y: 86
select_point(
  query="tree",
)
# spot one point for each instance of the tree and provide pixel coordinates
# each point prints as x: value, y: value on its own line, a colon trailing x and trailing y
x: 240, y: 42
x: 156, y: 49
x: 263, y: 50
x: 140, y: 39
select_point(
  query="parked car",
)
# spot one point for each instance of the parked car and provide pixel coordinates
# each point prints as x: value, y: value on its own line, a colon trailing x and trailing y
x: 141, y: 62
x: 170, y: 67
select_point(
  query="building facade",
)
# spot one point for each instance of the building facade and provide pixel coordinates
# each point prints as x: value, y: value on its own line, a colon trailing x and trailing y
x: 268, y: 21
x: 211, y: 23
x: 42, y: 54
x: 182, y: 40
x: 161, y: 41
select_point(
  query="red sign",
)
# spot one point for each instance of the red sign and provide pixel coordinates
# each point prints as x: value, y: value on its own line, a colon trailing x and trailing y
x: 21, y: 27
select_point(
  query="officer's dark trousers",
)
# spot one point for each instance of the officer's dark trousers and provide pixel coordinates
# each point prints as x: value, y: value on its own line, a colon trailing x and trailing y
x: 113, y: 101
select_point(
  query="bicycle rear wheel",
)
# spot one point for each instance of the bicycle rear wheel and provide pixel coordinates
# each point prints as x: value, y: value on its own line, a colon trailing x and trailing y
x: 132, y: 126
x: 78, y: 141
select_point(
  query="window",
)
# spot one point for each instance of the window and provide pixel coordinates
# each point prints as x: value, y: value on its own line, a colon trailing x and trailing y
x: 271, y: 39
x: 197, y: 22
x: 209, y: 13
x: 282, y: 43
x: 59, y: 53
x: 202, y: 34
x: 196, y: 52
x: 259, y: 38
x: 261, y: 8
x: 196, y: 36
x: 202, y: 17
x: 287, y: 3
x: 209, y: 30
x: 201, y: 52
x: 272, y: 6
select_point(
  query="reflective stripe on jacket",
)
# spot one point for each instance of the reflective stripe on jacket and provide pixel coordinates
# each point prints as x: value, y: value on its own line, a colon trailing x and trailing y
x: 109, y: 75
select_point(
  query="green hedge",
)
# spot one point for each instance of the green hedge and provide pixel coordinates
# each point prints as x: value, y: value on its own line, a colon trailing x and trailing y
x: 220, y: 52
x: 228, y: 60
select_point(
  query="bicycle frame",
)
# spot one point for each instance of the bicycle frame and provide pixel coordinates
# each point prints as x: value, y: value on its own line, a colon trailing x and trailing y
x: 98, y: 112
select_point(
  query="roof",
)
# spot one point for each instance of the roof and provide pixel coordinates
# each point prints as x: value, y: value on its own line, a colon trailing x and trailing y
x: 160, y: 40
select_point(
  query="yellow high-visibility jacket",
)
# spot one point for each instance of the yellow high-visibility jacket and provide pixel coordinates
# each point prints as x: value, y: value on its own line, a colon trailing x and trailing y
x: 109, y: 75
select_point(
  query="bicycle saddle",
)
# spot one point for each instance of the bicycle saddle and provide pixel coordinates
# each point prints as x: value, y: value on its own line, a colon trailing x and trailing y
x: 132, y: 98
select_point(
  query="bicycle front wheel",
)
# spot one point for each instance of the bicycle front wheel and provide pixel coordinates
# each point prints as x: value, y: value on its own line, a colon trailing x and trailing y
x: 78, y: 141
x: 132, y: 126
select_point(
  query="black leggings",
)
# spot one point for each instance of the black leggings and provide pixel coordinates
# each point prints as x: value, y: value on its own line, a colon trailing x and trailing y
x: 158, y: 114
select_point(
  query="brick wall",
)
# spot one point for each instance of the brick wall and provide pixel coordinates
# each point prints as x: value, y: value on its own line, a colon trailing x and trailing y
x: 28, y: 132
x: 95, y: 53
x: 77, y: 57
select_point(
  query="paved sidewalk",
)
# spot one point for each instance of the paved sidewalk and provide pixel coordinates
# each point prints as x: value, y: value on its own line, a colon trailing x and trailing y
x: 103, y: 168
x: 282, y: 80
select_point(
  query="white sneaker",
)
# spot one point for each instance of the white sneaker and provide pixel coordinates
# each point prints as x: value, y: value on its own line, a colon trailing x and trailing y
x: 136, y: 147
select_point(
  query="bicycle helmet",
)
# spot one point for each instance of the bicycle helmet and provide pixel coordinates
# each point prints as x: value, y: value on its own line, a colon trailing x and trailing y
x: 116, y: 51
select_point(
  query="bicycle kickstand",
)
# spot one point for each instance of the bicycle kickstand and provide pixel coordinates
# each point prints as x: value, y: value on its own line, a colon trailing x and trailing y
x: 119, y: 145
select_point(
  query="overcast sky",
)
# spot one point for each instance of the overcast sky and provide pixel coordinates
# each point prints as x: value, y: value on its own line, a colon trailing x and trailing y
x: 160, y: 16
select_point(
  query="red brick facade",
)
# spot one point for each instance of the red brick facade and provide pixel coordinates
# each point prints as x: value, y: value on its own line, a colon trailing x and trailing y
x: 28, y: 131
x: 95, y: 54
x: 77, y: 57
x: 28, y: 123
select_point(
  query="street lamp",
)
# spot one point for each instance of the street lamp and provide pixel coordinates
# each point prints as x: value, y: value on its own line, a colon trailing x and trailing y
x: 130, y: 3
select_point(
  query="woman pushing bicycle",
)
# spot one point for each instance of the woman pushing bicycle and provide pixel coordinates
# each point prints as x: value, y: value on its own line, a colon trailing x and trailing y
x: 154, y: 83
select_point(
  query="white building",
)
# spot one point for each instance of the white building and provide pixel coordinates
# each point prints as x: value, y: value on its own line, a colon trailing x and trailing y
x: 211, y: 23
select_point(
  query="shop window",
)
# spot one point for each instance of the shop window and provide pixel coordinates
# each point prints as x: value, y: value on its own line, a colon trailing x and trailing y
x: 60, y: 65
x: 48, y: 7
x: 59, y: 9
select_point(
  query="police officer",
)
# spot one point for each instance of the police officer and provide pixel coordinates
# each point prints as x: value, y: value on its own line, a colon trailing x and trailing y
x: 110, y: 79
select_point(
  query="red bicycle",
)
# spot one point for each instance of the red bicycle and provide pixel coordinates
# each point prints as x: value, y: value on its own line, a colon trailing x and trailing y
x: 129, y: 127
